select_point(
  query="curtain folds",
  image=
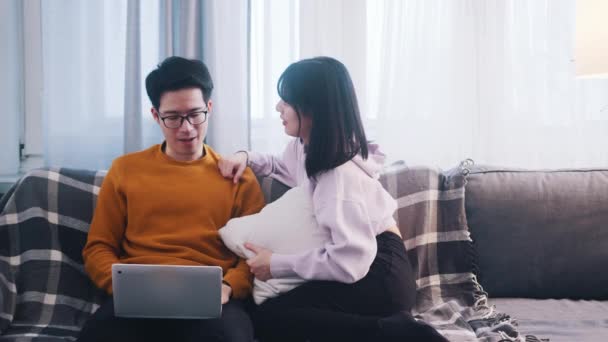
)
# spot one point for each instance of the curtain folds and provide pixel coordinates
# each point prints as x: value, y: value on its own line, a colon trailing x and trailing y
x: 440, y: 81
x: 437, y: 81
x: 11, y: 86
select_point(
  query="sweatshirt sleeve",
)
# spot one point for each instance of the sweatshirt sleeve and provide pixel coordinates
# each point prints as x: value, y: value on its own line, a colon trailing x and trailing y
x: 249, y: 200
x: 106, y: 232
x: 281, y: 168
x: 348, y: 255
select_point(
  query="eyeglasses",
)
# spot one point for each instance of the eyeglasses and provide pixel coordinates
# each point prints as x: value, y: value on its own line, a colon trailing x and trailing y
x: 176, y: 121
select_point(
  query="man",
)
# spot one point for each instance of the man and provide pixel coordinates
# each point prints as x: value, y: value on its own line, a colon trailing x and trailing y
x: 164, y: 205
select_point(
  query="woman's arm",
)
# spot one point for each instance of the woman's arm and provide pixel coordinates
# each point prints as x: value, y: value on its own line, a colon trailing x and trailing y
x: 282, y: 168
x: 346, y: 257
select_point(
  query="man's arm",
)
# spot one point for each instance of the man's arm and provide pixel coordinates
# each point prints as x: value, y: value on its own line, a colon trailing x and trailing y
x: 106, y: 232
x: 240, y: 279
x: 249, y: 200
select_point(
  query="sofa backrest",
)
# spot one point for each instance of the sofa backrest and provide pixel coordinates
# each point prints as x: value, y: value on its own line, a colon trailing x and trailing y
x: 540, y: 234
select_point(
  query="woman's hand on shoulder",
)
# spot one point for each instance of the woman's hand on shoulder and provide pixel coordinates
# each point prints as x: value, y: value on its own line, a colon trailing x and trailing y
x: 233, y: 166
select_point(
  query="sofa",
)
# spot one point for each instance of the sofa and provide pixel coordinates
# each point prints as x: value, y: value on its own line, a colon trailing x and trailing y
x: 541, y: 242
x: 491, y: 248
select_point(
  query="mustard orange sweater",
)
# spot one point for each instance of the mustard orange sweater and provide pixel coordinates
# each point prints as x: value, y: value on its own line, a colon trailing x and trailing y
x: 152, y: 209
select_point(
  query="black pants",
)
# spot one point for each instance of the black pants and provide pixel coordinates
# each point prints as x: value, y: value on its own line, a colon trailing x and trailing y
x: 333, y: 311
x: 234, y: 326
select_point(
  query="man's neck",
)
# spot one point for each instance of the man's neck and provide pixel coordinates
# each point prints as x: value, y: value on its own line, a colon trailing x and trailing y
x: 184, y: 158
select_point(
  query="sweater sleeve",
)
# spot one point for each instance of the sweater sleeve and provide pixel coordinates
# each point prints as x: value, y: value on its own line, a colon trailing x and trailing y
x: 348, y: 255
x: 240, y: 279
x: 281, y: 168
x: 249, y: 200
x: 106, y: 231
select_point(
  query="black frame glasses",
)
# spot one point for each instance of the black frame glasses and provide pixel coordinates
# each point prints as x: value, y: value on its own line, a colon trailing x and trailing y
x: 192, y: 118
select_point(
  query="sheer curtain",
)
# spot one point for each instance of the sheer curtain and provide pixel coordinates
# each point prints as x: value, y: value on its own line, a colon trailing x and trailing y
x: 85, y: 77
x: 283, y: 32
x: 199, y: 29
x: 274, y: 39
x: 77, y: 69
x: 11, y: 95
x: 225, y: 51
x: 422, y: 84
x: 97, y: 54
x: 440, y: 81
x: 532, y: 109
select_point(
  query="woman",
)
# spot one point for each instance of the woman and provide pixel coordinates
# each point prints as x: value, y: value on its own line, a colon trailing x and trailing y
x: 361, y: 286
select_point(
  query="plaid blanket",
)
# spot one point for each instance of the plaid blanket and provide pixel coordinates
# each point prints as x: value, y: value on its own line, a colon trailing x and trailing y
x: 432, y: 220
x: 46, y: 295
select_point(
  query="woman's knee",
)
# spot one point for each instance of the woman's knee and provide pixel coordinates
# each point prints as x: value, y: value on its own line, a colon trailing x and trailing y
x: 264, y: 313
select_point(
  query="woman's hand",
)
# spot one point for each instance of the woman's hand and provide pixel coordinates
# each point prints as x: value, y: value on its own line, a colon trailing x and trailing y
x: 233, y: 166
x: 260, y: 263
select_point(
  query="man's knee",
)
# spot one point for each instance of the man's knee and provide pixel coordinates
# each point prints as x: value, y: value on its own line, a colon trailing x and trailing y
x: 236, y: 322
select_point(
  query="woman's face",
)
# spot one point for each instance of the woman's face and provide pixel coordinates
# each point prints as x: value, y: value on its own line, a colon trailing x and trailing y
x: 293, y: 126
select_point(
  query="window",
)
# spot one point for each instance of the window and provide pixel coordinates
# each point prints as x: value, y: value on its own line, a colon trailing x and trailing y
x: 442, y: 81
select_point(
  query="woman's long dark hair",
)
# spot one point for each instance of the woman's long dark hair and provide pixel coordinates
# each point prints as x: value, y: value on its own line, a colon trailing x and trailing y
x: 321, y: 88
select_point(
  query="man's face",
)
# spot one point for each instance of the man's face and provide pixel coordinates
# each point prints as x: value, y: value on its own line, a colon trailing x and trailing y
x: 184, y: 143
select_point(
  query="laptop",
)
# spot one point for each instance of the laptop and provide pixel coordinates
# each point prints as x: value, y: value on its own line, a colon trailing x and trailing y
x: 167, y: 291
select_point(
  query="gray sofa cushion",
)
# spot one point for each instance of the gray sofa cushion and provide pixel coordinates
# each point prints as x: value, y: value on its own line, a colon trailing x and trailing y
x: 540, y: 234
x: 560, y: 320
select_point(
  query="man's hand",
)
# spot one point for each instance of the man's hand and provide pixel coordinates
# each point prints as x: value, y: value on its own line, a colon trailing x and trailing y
x: 233, y: 166
x: 260, y: 263
x: 226, y: 293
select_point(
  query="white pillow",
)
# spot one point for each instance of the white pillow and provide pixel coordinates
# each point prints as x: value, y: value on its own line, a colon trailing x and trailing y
x: 285, y: 226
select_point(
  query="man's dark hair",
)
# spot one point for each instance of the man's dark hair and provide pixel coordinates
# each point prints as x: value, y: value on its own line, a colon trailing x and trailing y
x: 175, y: 73
x: 321, y: 88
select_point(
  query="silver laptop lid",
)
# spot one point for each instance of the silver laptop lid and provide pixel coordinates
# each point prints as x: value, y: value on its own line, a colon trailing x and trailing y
x: 167, y: 291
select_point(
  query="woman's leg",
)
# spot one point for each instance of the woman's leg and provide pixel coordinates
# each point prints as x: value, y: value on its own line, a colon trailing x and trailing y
x: 321, y: 310
x: 308, y: 313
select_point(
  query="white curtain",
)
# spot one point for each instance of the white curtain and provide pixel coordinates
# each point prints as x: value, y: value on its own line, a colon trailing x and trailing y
x: 83, y: 87
x: 532, y: 109
x: 274, y: 40
x: 440, y: 81
x: 199, y: 29
x: 85, y: 78
x: 11, y: 95
x: 422, y: 84
x: 226, y: 51
x: 283, y: 32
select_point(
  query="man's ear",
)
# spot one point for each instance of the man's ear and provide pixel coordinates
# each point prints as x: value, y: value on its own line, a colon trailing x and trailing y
x: 209, y: 107
x: 155, y: 115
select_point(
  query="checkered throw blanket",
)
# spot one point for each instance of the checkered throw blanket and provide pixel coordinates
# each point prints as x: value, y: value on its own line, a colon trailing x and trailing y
x: 432, y: 220
x: 46, y: 295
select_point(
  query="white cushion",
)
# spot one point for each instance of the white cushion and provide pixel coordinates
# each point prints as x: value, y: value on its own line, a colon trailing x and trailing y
x: 285, y: 226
